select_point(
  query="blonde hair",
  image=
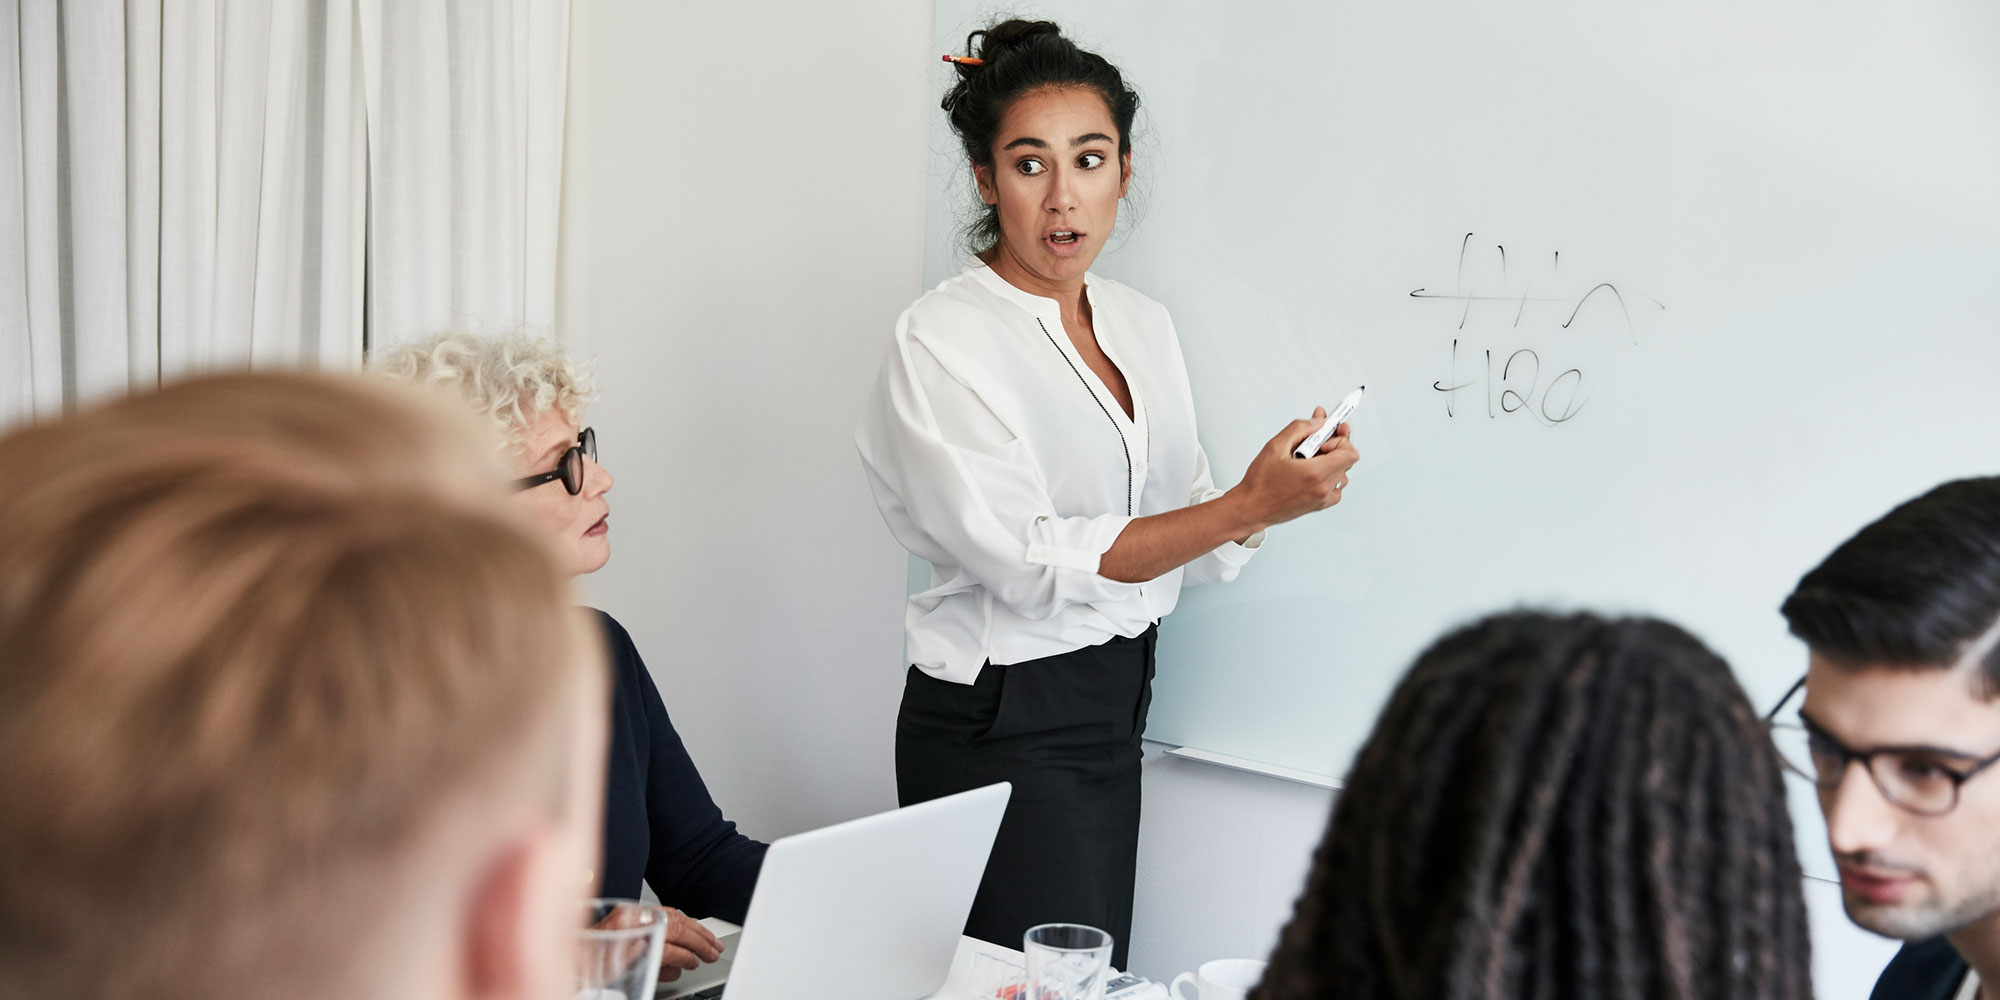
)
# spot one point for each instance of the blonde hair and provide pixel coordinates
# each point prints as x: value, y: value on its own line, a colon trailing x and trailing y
x: 510, y: 379
x: 261, y: 633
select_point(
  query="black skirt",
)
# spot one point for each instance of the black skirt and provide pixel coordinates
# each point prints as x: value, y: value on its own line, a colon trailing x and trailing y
x: 1065, y: 731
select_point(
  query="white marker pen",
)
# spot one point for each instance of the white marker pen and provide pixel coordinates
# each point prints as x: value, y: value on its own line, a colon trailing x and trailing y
x: 1311, y: 445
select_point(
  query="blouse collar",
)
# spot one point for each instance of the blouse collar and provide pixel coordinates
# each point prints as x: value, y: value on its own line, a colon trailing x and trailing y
x: 1041, y: 307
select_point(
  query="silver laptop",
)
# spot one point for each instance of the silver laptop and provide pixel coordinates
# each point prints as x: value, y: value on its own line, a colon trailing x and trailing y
x: 871, y: 909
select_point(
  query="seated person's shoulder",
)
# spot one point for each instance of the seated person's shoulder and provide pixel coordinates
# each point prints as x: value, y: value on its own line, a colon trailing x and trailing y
x: 1922, y: 970
x: 629, y: 680
x: 617, y: 642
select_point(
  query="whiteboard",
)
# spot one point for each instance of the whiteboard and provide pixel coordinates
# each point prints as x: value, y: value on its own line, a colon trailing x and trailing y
x: 1655, y: 304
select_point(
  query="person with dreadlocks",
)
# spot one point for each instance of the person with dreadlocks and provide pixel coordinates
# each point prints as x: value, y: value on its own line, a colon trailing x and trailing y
x: 1556, y: 807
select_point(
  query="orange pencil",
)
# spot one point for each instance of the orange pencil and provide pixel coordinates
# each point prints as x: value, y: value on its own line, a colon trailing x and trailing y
x: 965, y: 60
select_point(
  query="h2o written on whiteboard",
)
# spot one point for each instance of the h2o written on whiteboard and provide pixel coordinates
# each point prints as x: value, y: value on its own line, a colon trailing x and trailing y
x: 1515, y: 379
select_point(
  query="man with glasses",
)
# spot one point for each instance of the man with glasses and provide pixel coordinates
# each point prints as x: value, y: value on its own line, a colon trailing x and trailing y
x: 1899, y: 728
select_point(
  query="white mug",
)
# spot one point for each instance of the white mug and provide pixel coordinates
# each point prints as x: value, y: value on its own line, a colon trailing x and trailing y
x: 1222, y: 979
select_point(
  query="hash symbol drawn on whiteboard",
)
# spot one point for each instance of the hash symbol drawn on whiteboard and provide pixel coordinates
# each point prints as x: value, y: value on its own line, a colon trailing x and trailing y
x: 1465, y: 297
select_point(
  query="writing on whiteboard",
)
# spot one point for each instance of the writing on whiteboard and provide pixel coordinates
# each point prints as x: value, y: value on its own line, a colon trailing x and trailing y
x: 1561, y: 397
x: 1515, y: 378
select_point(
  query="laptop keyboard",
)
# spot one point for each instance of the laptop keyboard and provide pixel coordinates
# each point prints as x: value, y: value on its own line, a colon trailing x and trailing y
x: 708, y: 994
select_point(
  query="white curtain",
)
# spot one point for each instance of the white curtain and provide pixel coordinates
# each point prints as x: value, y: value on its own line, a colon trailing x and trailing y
x: 465, y: 121
x: 196, y: 184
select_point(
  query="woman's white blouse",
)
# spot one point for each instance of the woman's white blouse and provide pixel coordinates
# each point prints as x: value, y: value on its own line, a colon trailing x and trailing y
x: 1000, y: 458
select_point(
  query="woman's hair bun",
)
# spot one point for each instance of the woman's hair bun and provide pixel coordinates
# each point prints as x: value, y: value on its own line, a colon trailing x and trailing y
x: 990, y: 44
x: 1006, y: 36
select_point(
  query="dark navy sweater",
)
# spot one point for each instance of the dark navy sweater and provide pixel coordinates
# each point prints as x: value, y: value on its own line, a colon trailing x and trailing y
x: 1922, y: 970
x: 660, y: 824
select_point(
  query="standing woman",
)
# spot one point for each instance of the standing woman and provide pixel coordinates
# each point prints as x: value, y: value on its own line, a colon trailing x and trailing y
x: 1032, y: 437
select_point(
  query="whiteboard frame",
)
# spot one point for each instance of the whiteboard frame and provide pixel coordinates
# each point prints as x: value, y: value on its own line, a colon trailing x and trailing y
x: 1278, y: 771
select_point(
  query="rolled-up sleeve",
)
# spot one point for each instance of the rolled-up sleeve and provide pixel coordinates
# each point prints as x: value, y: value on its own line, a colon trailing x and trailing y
x: 959, y: 489
x: 1221, y: 564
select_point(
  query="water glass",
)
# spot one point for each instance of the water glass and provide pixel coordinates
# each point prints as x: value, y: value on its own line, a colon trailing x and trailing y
x: 618, y: 950
x: 1066, y: 961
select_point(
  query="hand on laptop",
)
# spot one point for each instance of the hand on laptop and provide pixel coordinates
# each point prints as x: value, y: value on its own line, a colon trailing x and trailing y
x: 688, y: 945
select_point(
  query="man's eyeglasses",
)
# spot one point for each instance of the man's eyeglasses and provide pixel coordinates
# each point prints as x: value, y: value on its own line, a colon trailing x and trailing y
x: 1922, y: 780
x: 570, y: 468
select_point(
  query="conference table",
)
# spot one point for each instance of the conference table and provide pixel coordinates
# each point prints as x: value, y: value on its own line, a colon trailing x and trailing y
x: 977, y: 963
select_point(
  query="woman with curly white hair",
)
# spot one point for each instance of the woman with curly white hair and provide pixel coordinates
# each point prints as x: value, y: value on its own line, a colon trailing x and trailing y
x: 660, y: 824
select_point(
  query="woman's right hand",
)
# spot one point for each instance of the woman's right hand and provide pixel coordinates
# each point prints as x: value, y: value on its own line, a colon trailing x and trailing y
x: 686, y: 946
x: 1279, y: 486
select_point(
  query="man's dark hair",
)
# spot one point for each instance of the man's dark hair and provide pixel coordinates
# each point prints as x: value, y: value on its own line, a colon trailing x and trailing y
x: 1919, y: 588
x: 1560, y: 807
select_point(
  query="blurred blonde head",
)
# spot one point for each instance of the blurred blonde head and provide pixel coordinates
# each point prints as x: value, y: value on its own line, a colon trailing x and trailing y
x: 289, y: 706
x: 509, y: 380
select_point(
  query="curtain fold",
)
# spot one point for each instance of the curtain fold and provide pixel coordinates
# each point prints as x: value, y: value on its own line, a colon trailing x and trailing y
x: 465, y: 127
x: 196, y: 185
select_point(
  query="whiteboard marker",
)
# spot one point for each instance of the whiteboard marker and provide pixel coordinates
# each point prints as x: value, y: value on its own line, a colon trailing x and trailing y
x: 1311, y: 445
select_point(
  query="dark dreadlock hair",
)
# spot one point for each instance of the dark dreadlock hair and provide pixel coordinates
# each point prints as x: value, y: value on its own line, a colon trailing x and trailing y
x: 1556, y: 808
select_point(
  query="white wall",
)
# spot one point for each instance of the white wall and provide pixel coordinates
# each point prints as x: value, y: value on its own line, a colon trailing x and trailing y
x: 743, y: 220
x: 1222, y: 855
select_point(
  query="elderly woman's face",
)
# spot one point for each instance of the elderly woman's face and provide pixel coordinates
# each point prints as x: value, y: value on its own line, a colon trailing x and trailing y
x: 579, y: 526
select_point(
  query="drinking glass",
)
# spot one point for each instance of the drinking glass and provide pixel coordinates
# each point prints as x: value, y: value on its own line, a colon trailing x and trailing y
x: 1066, y: 961
x: 618, y: 949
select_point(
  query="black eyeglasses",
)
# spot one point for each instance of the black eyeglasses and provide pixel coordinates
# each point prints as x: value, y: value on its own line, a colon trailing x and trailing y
x: 570, y: 468
x: 1916, y: 778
